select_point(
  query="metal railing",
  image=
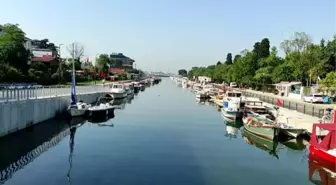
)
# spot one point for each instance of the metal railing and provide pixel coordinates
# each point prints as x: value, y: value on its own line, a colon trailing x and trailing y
x: 10, y: 95
x: 316, y: 110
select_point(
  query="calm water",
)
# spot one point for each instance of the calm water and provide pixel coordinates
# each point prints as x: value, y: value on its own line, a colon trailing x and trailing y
x: 162, y: 136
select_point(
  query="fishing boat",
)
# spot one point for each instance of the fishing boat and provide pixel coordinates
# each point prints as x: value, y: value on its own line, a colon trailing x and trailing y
x: 262, y: 143
x: 118, y: 91
x: 231, y: 110
x: 323, y: 146
x: 76, y: 108
x: 102, y: 109
x: 260, y: 126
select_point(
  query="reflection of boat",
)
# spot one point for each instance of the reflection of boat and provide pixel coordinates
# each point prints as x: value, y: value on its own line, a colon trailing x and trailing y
x: 76, y: 120
x: 262, y: 143
x: 321, y: 173
x: 232, y: 128
x: 295, y: 144
x: 119, y: 104
x: 129, y: 98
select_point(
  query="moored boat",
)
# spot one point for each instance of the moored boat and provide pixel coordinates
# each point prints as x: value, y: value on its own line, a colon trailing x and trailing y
x: 231, y: 110
x: 118, y: 91
x: 261, y: 126
x: 102, y: 109
x: 76, y: 108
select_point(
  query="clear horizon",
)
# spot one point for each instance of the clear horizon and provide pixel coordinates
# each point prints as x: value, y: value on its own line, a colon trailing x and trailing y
x: 169, y: 35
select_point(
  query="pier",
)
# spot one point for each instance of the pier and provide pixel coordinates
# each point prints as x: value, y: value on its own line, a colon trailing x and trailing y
x: 20, y: 108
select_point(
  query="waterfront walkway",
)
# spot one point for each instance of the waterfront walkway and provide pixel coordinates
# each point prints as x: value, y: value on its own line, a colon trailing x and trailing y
x: 316, y: 110
x: 13, y: 95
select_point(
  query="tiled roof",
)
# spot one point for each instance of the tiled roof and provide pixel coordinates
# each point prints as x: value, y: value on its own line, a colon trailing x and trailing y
x: 44, y: 58
x: 117, y: 71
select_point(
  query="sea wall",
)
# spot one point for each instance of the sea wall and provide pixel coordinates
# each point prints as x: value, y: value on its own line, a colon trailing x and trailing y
x: 18, y: 115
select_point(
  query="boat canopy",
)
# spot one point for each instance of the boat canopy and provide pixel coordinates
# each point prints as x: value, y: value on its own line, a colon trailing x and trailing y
x: 329, y: 141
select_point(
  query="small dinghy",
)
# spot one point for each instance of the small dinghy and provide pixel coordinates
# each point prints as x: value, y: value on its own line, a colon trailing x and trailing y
x: 102, y: 109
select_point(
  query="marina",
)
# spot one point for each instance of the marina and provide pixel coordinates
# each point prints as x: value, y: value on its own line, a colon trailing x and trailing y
x: 159, y: 136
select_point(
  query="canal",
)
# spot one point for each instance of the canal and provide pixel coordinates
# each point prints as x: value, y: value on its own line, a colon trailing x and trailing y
x: 160, y: 137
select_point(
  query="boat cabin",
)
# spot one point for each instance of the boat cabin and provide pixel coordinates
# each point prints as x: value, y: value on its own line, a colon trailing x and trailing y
x: 232, y: 94
x: 255, y: 106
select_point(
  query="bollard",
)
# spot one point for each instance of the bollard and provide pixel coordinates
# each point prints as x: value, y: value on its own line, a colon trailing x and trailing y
x: 313, y: 110
x: 17, y: 94
x: 27, y: 94
x: 7, y: 96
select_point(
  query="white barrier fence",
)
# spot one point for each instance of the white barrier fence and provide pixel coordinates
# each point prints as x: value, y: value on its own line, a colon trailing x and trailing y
x: 12, y: 95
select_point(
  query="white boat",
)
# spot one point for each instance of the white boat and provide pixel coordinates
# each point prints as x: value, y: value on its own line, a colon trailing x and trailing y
x: 76, y: 108
x: 101, y: 110
x: 231, y: 110
x: 201, y: 95
x: 118, y: 91
x: 79, y: 109
x: 128, y: 88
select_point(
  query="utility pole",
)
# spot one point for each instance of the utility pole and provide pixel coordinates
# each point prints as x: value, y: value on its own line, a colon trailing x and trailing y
x: 60, y: 72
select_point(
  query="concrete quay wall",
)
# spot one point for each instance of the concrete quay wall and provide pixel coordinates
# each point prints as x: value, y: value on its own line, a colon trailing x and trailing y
x: 18, y: 115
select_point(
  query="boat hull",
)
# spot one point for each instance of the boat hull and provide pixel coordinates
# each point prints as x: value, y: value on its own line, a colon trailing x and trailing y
x: 74, y: 112
x: 322, y: 155
x: 231, y: 116
x: 101, y: 114
x: 267, y: 133
x: 118, y: 95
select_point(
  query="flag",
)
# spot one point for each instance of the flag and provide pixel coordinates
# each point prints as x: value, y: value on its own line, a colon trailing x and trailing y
x: 313, y: 73
x: 318, y: 77
x: 279, y: 103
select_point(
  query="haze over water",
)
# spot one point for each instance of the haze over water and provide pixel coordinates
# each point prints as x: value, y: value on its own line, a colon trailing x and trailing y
x: 162, y: 137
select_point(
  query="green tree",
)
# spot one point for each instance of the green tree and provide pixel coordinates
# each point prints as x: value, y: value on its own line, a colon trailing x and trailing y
x: 182, y: 72
x: 329, y: 82
x: 12, y: 50
x: 228, y: 59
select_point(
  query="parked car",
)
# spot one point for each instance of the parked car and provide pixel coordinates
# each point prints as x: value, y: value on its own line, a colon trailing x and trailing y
x: 313, y: 98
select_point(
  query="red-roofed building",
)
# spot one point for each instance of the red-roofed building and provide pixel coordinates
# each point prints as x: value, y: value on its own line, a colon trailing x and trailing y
x: 44, y: 55
x: 117, y: 71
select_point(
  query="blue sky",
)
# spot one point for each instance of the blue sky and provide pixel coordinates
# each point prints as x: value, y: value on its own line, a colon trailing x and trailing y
x: 167, y: 35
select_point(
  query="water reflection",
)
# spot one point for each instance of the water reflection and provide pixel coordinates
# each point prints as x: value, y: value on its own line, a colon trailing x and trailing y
x: 75, y: 123
x: 21, y: 148
x: 232, y: 128
x: 119, y: 103
x: 321, y: 173
x: 264, y: 144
